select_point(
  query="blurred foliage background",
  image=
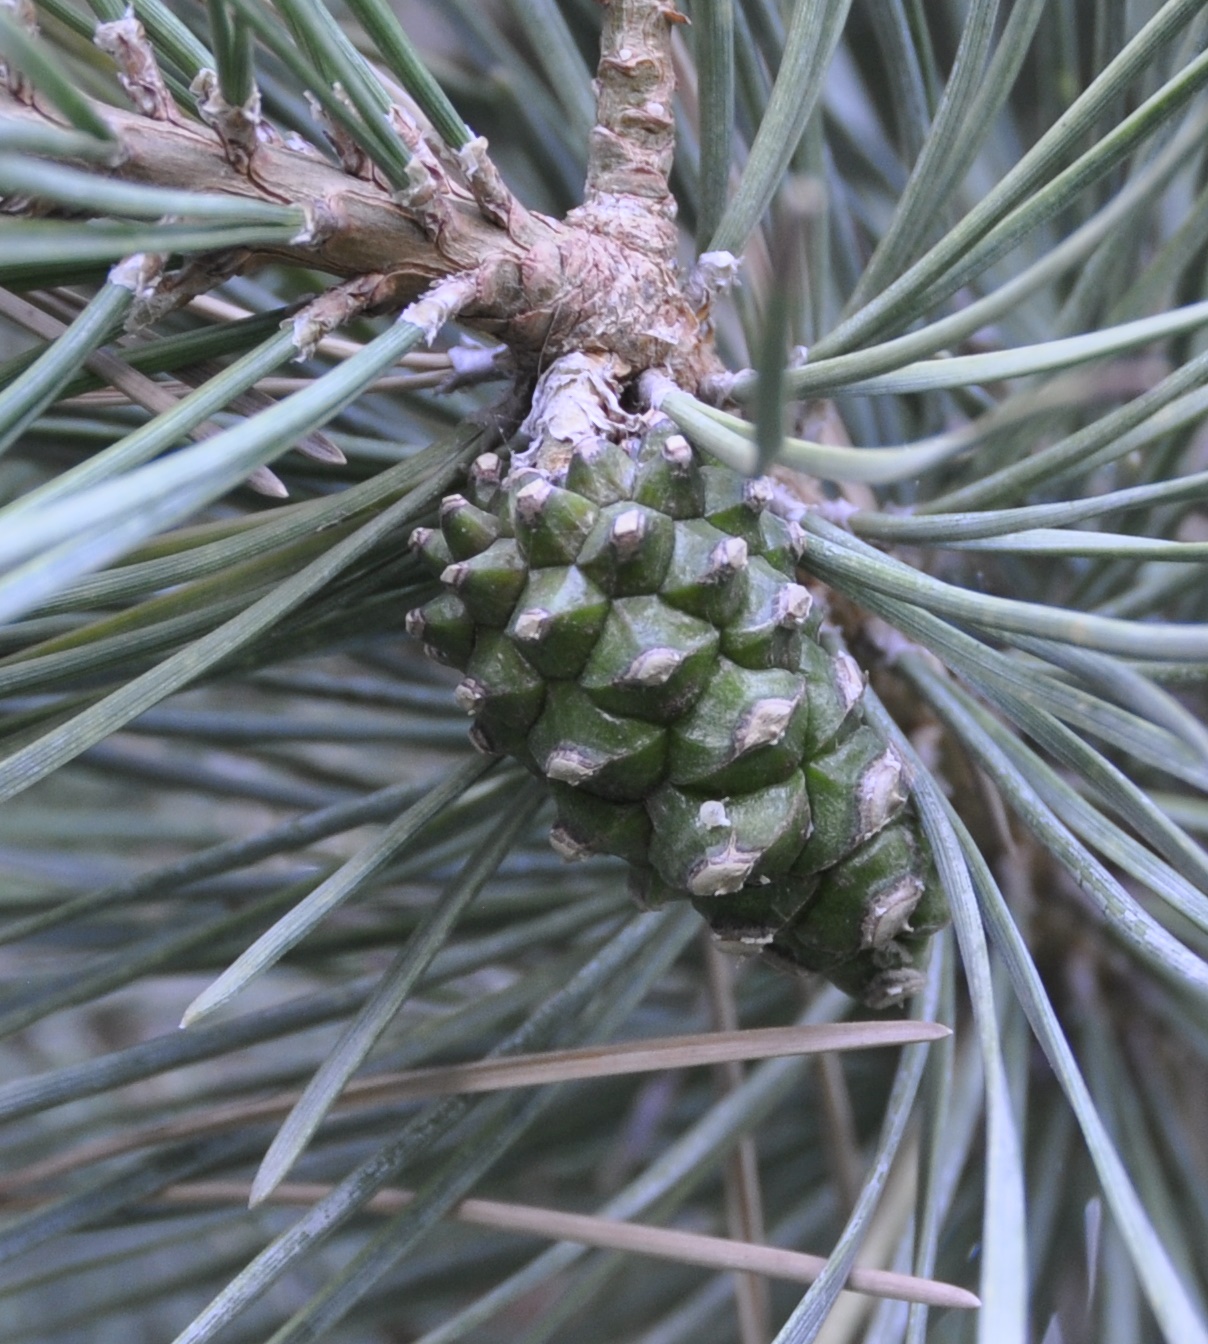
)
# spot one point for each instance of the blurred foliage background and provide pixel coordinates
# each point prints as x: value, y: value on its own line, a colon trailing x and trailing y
x: 987, y: 223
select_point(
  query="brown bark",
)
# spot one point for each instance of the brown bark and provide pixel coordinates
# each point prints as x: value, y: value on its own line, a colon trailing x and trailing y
x: 361, y: 229
x: 603, y: 282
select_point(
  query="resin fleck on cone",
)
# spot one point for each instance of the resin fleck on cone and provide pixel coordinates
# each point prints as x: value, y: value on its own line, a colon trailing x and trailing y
x: 633, y: 631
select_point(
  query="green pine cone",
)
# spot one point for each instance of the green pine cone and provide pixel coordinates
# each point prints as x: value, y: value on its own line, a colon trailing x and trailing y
x: 634, y: 632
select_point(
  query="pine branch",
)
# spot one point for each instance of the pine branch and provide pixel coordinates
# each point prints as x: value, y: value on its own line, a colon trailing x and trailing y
x: 603, y: 281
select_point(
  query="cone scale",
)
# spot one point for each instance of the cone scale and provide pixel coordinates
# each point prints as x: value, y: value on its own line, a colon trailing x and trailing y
x: 632, y: 629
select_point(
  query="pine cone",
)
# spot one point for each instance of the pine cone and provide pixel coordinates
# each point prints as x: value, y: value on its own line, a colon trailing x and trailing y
x: 633, y: 633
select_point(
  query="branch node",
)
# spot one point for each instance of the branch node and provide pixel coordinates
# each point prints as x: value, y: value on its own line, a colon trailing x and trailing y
x: 441, y: 303
x: 140, y: 273
x: 427, y: 196
x: 137, y: 69
x: 333, y: 309
x: 241, y: 129
x: 419, y: 147
x: 353, y: 159
x: 653, y: 386
x: 575, y: 404
x: 717, y: 388
x: 714, y: 273
x: 495, y: 202
x: 165, y: 291
x: 23, y: 14
x: 322, y: 221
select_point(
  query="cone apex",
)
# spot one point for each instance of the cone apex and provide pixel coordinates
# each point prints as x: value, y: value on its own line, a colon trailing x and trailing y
x: 431, y: 548
x: 742, y: 944
x: 848, y: 679
x: 881, y: 791
x: 568, y: 765
x: 481, y: 742
x: 713, y: 814
x: 792, y: 607
x: 531, y: 498
x: 726, y: 559
x: 722, y: 873
x: 888, y: 988
x: 532, y: 625
x: 653, y: 667
x: 764, y: 724
x: 678, y: 451
x: 470, y: 695
x: 566, y: 846
x: 628, y: 532
x: 487, y: 467
x: 889, y: 913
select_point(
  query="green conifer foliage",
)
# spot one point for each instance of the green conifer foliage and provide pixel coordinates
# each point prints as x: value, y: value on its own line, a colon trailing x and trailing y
x: 782, y: 420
